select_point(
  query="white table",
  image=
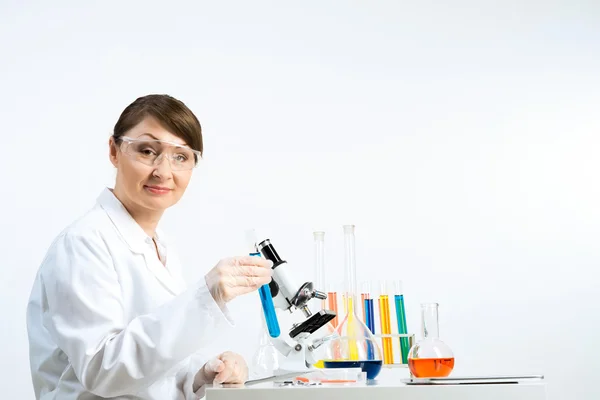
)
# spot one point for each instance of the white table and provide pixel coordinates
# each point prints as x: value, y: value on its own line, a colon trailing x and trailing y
x: 382, y: 389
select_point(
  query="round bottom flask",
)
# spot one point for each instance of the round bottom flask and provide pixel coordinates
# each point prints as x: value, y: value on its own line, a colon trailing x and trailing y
x: 430, y: 357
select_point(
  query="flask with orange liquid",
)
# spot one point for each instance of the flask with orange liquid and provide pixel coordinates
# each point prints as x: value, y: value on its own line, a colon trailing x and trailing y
x: 430, y: 357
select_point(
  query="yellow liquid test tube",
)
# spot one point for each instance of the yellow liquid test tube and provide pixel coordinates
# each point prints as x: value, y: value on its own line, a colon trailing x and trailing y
x: 384, y: 317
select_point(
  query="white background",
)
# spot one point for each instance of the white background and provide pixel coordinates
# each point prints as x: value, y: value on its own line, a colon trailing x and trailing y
x: 461, y: 138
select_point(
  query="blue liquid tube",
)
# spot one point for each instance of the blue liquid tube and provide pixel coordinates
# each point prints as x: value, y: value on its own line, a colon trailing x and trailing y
x: 268, y: 307
x: 264, y: 292
x: 368, y: 311
x: 401, y: 318
x: 369, y: 315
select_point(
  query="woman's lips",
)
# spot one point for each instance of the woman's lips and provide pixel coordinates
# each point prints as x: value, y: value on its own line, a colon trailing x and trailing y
x: 157, y: 189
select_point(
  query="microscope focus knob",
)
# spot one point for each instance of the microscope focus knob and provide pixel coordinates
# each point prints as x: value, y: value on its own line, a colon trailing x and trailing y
x: 320, y: 295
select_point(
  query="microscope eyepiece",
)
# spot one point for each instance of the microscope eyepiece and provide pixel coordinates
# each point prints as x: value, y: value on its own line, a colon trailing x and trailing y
x: 269, y: 252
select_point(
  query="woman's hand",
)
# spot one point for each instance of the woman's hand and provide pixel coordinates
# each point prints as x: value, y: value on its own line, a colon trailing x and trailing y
x: 228, y: 367
x: 235, y: 276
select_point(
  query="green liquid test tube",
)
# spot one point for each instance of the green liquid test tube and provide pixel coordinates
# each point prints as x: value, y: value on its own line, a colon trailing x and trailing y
x: 401, y: 318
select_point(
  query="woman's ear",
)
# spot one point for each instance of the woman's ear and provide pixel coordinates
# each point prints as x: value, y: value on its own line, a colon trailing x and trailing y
x: 113, y: 151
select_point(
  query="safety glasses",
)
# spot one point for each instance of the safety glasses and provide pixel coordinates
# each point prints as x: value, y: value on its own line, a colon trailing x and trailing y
x: 151, y: 152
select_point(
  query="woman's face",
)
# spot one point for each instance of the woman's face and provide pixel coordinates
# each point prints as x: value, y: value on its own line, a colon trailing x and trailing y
x: 151, y: 187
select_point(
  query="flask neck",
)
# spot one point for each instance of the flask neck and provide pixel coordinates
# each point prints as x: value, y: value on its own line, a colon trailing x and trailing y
x: 429, y: 321
x: 351, y: 302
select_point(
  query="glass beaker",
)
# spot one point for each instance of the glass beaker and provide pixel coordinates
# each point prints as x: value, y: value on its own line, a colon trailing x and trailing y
x: 430, y: 357
x: 355, y: 346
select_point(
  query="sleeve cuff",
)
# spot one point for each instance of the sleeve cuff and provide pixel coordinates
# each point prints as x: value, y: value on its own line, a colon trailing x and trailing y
x: 196, y: 362
x: 215, y: 308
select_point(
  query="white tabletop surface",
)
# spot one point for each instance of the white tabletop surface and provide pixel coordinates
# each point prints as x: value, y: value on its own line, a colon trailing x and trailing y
x: 387, y: 386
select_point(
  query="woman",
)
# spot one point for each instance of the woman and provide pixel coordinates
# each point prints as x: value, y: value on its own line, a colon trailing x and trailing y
x: 109, y: 315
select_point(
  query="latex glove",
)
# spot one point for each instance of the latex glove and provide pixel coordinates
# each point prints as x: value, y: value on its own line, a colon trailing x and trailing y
x: 228, y: 367
x: 236, y: 276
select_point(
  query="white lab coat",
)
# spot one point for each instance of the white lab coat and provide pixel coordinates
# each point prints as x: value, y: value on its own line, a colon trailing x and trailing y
x: 106, y: 318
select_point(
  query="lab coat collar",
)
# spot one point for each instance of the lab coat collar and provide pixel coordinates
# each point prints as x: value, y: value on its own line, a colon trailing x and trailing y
x: 130, y: 230
x: 137, y: 240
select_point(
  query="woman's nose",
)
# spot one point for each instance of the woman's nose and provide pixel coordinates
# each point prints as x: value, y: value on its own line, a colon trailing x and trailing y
x: 162, y: 166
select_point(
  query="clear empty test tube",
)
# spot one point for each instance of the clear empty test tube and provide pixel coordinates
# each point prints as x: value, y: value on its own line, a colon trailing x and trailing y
x: 385, y: 323
x: 319, y: 253
x: 401, y: 320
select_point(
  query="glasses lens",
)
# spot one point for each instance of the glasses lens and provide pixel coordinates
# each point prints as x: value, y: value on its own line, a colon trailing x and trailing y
x: 143, y: 151
x: 147, y: 152
x: 182, y: 158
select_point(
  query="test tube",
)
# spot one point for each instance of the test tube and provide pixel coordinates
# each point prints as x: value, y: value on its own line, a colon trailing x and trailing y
x: 319, y: 244
x: 384, y: 318
x: 363, y: 296
x: 333, y: 303
x: 369, y: 318
x: 266, y: 299
x: 401, y: 319
x: 368, y: 312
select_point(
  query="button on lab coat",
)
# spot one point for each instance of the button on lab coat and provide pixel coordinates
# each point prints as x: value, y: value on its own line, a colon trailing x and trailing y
x: 106, y: 318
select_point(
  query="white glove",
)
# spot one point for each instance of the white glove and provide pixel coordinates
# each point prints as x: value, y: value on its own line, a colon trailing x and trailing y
x: 236, y: 276
x: 228, y: 367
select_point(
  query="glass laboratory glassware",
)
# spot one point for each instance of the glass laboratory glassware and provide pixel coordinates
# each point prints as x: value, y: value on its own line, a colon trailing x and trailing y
x: 332, y: 303
x: 319, y: 245
x: 401, y: 320
x: 385, y: 323
x: 367, y: 306
x: 355, y: 345
x: 430, y: 357
x: 327, y: 332
x: 266, y: 359
x: 264, y: 291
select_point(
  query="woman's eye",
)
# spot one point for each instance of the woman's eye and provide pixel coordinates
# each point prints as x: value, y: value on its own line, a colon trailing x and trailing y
x: 148, y: 152
x: 180, y: 158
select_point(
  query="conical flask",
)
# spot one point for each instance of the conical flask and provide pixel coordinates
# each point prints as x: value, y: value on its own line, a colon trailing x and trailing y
x: 266, y: 359
x: 430, y: 357
x: 355, y: 345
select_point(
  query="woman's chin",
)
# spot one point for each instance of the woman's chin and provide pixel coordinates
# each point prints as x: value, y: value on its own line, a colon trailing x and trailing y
x: 158, y: 203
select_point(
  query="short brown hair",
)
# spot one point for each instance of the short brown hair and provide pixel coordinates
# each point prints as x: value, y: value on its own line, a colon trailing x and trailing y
x: 171, y: 113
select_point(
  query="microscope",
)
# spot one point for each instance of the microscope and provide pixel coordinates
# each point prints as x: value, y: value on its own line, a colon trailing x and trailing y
x: 298, y: 346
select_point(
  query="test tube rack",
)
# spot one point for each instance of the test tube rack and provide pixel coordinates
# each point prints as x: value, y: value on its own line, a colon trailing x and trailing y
x: 395, y: 337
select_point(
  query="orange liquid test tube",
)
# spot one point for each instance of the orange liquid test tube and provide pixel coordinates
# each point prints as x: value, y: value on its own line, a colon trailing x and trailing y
x: 363, y: 296
x: 332, y: 298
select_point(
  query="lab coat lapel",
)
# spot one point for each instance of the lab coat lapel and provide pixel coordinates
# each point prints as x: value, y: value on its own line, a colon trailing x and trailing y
x: 161, y: 272
x: 137, y: 240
